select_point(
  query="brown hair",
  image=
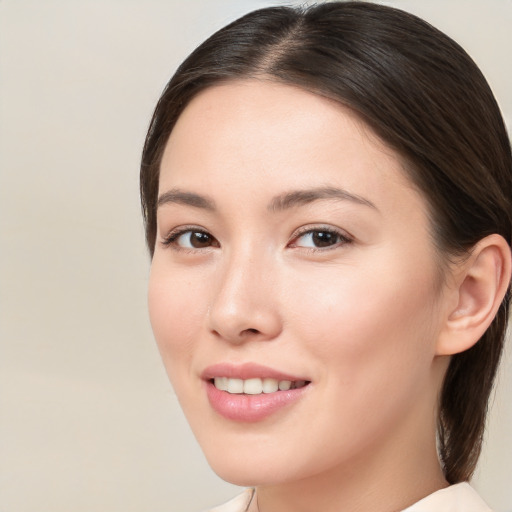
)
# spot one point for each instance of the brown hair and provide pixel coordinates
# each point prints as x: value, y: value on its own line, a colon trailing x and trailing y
x: 425, y: 97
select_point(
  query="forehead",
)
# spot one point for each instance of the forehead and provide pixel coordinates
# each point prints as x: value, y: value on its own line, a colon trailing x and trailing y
x: 268, y: 106
x: 258, y: 134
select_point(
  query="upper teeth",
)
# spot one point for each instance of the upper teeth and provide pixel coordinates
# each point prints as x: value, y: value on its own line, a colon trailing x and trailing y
x: 255, y: 386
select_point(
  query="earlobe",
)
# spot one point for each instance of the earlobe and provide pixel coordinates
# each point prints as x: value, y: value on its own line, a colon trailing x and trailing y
x: 482, y: 281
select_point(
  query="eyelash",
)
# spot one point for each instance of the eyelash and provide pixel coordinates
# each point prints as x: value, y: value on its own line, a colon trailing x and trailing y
x: 344, y: 238
x: 171, y: 239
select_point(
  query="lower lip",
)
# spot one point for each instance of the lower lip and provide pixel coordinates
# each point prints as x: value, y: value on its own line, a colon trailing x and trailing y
x: 251, y: 408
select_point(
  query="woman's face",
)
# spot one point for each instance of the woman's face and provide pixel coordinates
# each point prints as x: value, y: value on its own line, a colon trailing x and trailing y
x: 292, y: 252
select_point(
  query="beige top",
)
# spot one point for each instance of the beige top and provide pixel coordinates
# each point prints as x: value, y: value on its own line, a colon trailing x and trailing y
x: 456, y: 498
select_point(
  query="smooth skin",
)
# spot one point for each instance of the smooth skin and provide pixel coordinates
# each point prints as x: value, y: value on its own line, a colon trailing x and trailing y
x: 342, y: 285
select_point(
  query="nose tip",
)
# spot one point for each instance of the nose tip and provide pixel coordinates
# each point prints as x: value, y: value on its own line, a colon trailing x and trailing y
x: 240, y: 325
x: 244, y: 308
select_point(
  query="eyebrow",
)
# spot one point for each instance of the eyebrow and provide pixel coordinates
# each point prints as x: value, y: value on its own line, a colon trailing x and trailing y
x: 301, y: 197
x: 176, y: 196
x: 281, y: 202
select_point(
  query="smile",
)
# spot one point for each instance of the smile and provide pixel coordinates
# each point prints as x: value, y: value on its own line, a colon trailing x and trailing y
x: 255, y: 386
x: 251, y: 392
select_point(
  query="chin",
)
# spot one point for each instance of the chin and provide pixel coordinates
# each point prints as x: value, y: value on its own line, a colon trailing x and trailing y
x: 238, y: 467
x: 240, y: 477
x: 256, y: 466
x: 246, y: 474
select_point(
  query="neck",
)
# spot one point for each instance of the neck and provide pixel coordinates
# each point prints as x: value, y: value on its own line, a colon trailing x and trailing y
x: 348, y: 493
x: 388, y: 478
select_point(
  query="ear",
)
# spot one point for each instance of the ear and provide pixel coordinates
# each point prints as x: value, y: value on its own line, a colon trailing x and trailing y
x: 481, y: 282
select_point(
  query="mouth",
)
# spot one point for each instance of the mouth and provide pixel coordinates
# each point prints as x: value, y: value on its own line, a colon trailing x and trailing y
x: 251, y: 392
x: 255, y: 386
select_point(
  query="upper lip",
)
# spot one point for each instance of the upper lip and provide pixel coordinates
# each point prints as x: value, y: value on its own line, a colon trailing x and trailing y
x: 247, y: 371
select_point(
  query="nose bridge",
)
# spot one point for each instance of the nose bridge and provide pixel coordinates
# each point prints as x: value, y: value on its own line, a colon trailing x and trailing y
x: 244, y: 302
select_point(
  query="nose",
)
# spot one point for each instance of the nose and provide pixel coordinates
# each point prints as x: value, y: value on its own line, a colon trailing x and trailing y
x: 244, y: 303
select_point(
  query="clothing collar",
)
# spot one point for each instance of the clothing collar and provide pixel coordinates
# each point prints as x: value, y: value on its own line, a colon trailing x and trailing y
x: 455, y: 498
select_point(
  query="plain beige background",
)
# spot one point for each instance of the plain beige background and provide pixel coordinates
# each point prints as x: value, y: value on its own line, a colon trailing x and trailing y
x: 88, y: 422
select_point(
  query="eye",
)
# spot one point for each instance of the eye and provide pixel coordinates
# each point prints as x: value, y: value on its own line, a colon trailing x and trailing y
x: 190, y: 238
x: 321, y: 238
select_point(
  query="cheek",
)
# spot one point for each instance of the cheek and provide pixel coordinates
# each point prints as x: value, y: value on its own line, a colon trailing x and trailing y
x: 176, y: 315
x: 373, y: 326
x: 371, y: 339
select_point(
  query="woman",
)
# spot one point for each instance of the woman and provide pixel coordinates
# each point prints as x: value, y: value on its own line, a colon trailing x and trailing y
x: 326, y: 194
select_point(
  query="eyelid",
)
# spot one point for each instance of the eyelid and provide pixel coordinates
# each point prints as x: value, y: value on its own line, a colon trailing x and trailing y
x: 174, y: 234
x: 345, y: 237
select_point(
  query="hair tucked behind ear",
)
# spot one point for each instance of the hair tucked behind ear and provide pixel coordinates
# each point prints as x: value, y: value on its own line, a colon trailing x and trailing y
x: 425, y: 97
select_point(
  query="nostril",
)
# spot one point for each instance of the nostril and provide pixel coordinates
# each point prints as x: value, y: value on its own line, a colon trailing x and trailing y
x: 253, y: 331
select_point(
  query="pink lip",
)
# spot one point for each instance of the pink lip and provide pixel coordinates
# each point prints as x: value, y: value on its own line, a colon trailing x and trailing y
x: 246, y: 371
x: 249, y: 408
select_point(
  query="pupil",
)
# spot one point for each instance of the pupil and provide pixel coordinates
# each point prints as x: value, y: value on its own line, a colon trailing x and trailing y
x: 199, y: 240
x: 324, y: 238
